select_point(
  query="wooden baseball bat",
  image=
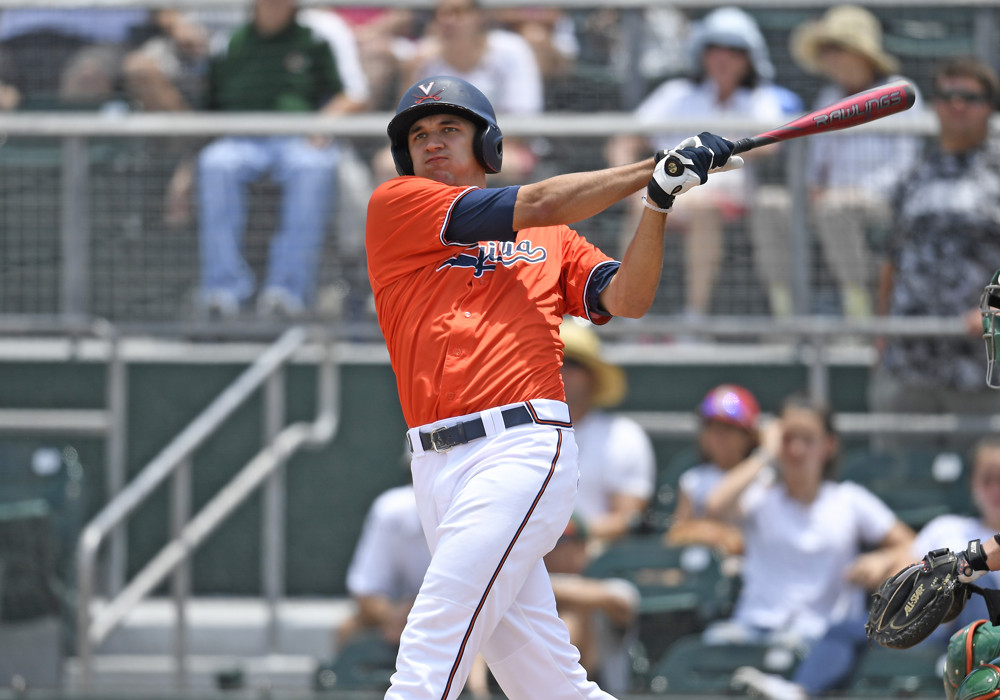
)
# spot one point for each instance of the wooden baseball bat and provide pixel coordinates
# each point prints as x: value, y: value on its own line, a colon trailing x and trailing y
x: 883, y: 101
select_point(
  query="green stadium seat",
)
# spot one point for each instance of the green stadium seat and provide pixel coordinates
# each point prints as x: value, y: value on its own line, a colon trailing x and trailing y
x: 365, y: 663
x: 918, y: 484
x: 664, y: 501
x: 899, y: 672
x: 669, y: 578
x: 691, y: 667
x: 681, y: 588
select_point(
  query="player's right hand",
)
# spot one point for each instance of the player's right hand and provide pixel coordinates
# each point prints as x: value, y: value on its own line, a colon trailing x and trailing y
x: 679, y: 169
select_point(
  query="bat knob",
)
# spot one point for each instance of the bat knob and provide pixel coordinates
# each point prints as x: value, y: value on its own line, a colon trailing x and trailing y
x: 673, y: 166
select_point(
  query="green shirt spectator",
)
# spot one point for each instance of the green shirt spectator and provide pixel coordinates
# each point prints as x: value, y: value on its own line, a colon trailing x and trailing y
x: 291, y: 71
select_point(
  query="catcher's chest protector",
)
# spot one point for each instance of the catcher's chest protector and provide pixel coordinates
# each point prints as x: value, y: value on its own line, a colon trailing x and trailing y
x: 983, y: 683
x: 975, y: 644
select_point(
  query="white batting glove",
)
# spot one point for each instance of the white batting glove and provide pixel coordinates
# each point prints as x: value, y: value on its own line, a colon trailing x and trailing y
x: 679, y: 169
x: 722, y: 149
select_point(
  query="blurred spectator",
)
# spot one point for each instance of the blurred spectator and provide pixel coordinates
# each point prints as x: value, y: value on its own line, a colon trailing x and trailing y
x: 832, y: 659
x: 849, y: 175
x: 384, y: 36
x: 731, y: 79
x: 10, y: 97
x: 459, y: 42
x: 57, y: 56
x: 275, y: 63
x: 549, y: 31
x: 651, y: 39
x: 728, y: 435
x: 617, y: 464
x: 386, y: 571
x: 600, y: 613
x: 167, y: 73
x: 813, y: 546
x: 387, y: 567
x: 945, y: 236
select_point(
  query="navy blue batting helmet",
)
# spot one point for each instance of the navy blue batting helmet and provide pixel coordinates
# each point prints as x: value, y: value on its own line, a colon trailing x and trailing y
x: 446, y: 93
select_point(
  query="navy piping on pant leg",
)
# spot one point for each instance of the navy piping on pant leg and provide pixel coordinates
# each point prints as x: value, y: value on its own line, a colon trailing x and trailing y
x: 489, y: 586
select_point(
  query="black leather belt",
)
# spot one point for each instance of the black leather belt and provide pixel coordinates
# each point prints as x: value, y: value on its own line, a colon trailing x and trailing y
x: 442, y: 439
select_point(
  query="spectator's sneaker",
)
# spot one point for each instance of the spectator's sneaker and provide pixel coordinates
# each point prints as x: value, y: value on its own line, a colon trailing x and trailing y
x: 219, y: 304
x: 767, y: 685
x: 275, y: 302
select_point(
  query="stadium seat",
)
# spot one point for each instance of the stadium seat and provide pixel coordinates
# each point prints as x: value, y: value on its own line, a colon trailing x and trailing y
x: 669, y: 578
x: 918, y: 484
x: 691, y: 667
x: 661, y: 508
x: 365, y: 663
x: 898, y: 672
x: 681, y: 588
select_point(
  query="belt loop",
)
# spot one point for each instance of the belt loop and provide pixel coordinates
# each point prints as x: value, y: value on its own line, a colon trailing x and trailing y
x: 493, y: 421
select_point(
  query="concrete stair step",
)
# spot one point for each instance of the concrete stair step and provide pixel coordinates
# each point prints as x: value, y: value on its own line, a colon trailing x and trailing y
x: 225, y: 637
x: 139, y: 673
x: 232, y: 626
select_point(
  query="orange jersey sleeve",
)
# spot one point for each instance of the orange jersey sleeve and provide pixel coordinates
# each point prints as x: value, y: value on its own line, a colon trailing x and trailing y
x: 470, y: 327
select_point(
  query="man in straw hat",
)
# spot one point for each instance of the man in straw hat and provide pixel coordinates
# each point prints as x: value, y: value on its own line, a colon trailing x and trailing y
x: 849, y: 175
x: 617, y: 464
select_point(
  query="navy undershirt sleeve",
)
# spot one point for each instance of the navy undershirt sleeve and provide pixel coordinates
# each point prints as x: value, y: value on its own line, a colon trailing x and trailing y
x: 598, y: 281
x: 483, y: 215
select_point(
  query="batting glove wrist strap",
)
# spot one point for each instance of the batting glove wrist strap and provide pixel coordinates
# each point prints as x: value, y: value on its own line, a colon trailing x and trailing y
x: 662, y: 210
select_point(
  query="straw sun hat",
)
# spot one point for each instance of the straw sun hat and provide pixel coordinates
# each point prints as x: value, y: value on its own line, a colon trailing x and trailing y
x: 582, y: 345
x: 852, y: 27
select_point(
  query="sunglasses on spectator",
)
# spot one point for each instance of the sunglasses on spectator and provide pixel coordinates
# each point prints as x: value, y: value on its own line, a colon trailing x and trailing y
x: 966, y: 96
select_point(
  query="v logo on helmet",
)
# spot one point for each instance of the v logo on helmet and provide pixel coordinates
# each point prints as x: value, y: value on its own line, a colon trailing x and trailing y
x: 426, y: 89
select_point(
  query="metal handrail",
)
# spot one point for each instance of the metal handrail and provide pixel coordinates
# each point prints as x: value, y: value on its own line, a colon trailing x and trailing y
x: 174, y: 460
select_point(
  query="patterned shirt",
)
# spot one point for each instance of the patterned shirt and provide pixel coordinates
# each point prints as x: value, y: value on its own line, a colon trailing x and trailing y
x: 944, y: 247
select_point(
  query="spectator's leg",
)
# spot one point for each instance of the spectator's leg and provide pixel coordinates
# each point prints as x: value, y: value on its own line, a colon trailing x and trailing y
x: 771, y: 236
x: 225, y: 168
x: 831, y: 659
x: 700, y: 218
x: 307, y: 175
x: 842, y: 221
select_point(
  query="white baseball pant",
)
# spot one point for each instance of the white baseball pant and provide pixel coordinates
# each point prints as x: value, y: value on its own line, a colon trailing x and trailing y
x: 491, y: 509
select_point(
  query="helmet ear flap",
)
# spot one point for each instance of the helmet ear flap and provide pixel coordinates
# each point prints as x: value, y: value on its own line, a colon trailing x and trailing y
x: 489, y: 147
x: 402, y: 160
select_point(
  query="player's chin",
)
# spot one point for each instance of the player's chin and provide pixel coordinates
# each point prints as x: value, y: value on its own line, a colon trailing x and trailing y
x: 436, y: 169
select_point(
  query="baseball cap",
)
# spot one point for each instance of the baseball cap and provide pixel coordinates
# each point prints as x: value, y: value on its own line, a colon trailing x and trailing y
x: 732, y: 404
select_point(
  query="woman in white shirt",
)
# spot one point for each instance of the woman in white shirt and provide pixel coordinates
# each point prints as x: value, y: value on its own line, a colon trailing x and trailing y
x: 813, y: 546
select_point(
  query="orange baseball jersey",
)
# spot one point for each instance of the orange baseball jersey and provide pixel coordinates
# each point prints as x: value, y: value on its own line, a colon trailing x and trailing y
x: 470, y: 327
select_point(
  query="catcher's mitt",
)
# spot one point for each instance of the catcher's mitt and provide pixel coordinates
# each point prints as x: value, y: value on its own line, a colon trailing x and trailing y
x: 910, y: 605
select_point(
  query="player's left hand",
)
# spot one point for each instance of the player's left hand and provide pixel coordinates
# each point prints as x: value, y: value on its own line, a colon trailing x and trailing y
x: 721, y: 149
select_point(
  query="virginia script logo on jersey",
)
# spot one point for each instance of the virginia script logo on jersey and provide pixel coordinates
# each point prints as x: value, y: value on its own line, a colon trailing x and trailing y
x: 489, y: 254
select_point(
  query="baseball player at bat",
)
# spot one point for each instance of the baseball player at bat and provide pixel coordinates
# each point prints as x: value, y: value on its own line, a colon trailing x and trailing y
x: 471, y: 284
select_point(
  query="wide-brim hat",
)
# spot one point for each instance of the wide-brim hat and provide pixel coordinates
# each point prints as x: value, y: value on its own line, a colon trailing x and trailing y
x: 850, y: 26
x: 582, y: 345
